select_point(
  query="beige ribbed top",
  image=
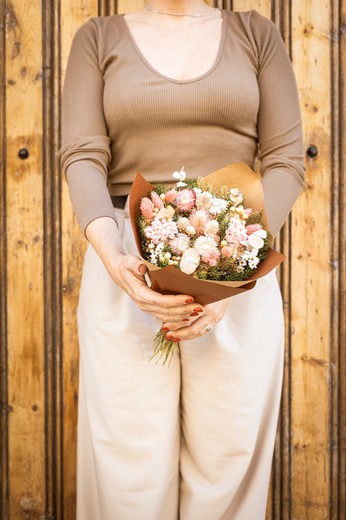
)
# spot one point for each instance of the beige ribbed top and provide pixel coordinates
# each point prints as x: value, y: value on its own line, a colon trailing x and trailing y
x: 120, y: 115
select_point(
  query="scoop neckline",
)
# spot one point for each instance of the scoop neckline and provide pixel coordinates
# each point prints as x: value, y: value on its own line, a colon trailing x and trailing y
x: 173, y: 80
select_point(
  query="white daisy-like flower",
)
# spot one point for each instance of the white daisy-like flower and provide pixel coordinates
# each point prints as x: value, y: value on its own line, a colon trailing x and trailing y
x: 189, y: 261
x: 198, y: 191
x: 205, y: 244
x: 217, y: 206
x: 181, y: 176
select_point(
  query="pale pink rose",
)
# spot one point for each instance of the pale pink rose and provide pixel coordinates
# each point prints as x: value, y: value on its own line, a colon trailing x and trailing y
x: 251, y: 228
x: 156, y: 200
x: 171, y: 196
x: 185, y: 200
x: 147, y: 208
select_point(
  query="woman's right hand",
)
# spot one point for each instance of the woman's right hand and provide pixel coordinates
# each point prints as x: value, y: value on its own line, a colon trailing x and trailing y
x: 128, y: 272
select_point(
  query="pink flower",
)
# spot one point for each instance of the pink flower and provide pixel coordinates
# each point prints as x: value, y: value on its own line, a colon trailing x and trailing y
x: 226, y: 251
x: 211, y: 257
x: 156, y: 200
x: 147, y: 208
x: 251, y: 228
x: 171, y: 196
x: 198, y: 219
x: 185, y: 200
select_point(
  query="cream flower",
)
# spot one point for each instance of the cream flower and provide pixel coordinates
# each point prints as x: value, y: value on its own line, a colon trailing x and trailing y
x: 212, y: 227
x: 235, y: 196
x: 217, y: 206
x: 182, y: 223
x: 205, y: 244
x: 189, y: 261
x: 181, y: 176
x: 203, y: 200
x: 255, y: 239
x: 180, y: 243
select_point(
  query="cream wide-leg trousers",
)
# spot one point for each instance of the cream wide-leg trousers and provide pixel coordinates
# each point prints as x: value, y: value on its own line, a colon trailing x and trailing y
x: 192, y: 442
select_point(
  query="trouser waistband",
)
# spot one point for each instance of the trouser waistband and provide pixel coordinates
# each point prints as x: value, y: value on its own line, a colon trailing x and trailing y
x: 119, y: 201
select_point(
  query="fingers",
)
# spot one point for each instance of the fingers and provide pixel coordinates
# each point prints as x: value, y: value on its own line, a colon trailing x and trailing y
x: 130, y: 276
x: 174, y: 314
x: 213, y: 313
x: 135, y: 265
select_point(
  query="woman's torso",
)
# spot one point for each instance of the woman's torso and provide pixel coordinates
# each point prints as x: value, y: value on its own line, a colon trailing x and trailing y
x: 157, y: 124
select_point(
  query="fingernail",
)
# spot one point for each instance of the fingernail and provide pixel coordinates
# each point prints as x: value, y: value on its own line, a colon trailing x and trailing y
x: 168, y: 336
x: 175, y: 340
x: 198, y: 309
x: 165, y: 329
x: 186, y: 319
x: 189, y: 300
x: 194, y: 314
x: 139, y: 267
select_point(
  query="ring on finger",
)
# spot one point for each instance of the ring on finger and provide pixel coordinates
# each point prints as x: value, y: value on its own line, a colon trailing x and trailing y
x: 207, y: 328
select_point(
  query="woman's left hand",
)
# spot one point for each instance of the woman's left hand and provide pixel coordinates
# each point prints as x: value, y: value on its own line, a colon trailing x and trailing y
x: 210, y: 315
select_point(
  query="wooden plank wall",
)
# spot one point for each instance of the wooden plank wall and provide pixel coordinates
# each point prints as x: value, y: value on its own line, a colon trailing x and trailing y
x: 41, y: 254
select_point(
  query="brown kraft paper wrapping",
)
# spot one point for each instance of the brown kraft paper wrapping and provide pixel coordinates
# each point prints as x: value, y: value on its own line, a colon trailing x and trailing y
x: 170, y: 280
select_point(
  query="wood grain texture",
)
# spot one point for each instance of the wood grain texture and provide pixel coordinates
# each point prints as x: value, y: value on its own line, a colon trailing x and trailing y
x: 24, y: 260
x: 42, y: 251
x: 311, y: 271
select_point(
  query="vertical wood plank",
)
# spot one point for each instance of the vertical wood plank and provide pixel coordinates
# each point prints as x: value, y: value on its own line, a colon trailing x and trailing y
x: 311, y: 272
x: 73, y: 13
x: 4, y: 411
x: 338, y: 440
x: 25, y: 261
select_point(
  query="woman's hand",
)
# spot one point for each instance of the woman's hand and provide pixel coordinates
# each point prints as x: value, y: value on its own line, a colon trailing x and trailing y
x: 128, y: 272
x: 210, y: 315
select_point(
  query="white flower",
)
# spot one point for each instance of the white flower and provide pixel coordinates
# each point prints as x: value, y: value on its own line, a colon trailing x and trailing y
x: 182, y: 223
x: 189, y: 261
x: 235, y: 196
x: 180, y: 243
x: 190, y: 230
x: 198, y: 191
x: 217, y: 206
x: 181, y: 176
x: 255, y: 241
x: 212, y: 227
x: 205, y: 244
x: 261, y: 233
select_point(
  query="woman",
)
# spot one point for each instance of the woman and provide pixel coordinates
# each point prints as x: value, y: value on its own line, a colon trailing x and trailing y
x: 176, y: 83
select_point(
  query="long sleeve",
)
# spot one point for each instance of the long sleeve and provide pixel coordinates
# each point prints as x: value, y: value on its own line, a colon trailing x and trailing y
x: 85, y: 150
x: 280, y: 133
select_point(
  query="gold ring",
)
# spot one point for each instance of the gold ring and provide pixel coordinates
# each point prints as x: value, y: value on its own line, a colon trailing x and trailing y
x: 207, y: 328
